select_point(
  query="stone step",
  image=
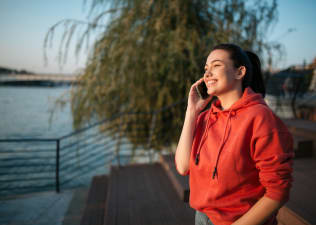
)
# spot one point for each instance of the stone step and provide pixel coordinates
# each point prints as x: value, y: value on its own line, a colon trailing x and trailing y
x: 303, y: 146
x: 76, y: 207
x: 181, y: 183
x: 287, y: 216
x: 300, y: 127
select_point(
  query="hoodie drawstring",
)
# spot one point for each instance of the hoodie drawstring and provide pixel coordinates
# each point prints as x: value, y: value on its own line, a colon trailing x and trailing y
x: 223, y: 141
x: 197, y: 157
x: 221, y: 146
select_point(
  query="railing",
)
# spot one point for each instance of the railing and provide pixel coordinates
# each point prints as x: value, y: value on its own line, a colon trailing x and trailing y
x: 32, y: 165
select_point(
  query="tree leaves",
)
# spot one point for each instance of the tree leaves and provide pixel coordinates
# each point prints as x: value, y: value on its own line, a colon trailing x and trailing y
x: 150, y: 52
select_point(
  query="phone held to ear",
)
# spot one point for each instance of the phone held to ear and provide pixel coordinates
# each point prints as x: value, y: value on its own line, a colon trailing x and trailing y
x: 201, y: 89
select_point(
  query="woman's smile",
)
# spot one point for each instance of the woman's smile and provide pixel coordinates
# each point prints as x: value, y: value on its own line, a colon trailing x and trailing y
x: 211, y: 82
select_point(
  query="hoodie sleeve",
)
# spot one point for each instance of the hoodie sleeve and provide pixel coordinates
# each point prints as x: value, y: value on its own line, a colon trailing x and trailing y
x: 273, y: 157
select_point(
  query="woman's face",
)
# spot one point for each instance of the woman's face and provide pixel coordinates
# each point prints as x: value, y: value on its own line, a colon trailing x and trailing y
x: 220, y: 74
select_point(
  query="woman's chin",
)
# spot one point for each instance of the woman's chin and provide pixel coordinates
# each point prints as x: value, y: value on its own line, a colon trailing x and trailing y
x: 210, y: 92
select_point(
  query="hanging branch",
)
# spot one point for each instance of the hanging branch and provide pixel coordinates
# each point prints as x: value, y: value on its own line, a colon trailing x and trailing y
x: 150, y: 52
x: 70, y: 26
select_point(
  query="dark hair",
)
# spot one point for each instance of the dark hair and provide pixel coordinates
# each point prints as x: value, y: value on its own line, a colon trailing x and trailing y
x: 253, y: 77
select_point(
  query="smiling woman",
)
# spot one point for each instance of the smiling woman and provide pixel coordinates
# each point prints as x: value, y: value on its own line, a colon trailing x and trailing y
x: 238, y: 154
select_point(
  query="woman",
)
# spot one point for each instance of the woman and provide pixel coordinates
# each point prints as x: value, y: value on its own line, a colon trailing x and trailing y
x: 238, y: 153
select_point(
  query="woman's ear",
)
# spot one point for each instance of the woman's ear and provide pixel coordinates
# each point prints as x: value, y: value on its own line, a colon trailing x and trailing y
x: 241, y: 72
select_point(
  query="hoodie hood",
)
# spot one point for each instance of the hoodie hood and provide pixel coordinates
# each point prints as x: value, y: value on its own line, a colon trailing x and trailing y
x: 248, y: 98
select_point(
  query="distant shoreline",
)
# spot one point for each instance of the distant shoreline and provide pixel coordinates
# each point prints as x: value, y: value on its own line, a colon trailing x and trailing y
x: 35, y: 83
x: 16, y: 78
x: 11, y: 71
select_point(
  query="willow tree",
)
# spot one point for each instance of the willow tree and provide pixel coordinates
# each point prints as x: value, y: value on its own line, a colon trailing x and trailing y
x: 149, y: 53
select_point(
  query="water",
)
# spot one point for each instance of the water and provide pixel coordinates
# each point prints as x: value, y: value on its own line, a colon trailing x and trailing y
x: 25, y: 112
x: 30, y: 166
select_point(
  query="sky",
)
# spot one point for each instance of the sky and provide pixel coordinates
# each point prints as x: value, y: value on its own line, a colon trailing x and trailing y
x: 24, y: 25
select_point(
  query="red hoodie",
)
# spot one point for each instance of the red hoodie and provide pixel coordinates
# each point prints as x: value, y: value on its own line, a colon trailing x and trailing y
x: 243, y: 154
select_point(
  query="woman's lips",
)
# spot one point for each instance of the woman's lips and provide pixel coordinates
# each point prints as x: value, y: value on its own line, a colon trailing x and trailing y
x: 211, y: 82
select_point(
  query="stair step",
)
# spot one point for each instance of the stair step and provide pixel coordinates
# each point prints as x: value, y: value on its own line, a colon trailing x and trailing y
x: 76, y: 207
x: 142, y: 194
x: 95, y: 206
x: 287, y: 217
x: 301, y: 127
x: 181, y: 183
x: 303, y: 146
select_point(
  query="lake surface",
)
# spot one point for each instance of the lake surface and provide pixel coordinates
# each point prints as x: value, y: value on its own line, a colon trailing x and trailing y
x: 30, y: 166
x: 25, y: 112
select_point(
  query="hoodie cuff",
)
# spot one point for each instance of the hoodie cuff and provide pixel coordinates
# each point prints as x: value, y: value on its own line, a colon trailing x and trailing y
x: 278, y: 195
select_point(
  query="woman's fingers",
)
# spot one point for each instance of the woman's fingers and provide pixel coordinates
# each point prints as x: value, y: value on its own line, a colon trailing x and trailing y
x: 195, y: 101
x: 198, y: 82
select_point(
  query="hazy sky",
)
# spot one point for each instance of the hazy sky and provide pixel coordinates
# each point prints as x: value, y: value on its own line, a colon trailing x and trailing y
x: 24, y: 23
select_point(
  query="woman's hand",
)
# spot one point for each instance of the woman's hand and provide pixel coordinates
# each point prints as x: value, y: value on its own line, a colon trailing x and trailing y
x: 195, y: 103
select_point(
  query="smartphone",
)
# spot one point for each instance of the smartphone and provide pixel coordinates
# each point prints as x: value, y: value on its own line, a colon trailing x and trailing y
x: 201, y: 89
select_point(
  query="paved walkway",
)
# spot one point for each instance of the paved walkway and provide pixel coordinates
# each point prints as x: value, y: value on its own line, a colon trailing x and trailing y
x: 47, y: 208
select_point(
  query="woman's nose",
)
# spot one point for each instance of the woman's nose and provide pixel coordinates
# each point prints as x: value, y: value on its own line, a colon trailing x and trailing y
x: 207, y: 74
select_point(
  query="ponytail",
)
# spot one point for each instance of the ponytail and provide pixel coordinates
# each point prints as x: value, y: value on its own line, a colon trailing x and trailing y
x: 253, y: 77
x: 256, y: 79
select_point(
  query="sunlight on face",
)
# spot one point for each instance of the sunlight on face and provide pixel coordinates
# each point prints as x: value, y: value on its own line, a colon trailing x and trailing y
x: 220, y: 73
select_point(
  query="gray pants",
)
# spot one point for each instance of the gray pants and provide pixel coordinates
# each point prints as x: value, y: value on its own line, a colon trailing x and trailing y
x: 202, y: 219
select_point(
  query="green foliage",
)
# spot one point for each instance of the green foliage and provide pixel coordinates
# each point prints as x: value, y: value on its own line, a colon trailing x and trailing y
x: 150, y: 52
